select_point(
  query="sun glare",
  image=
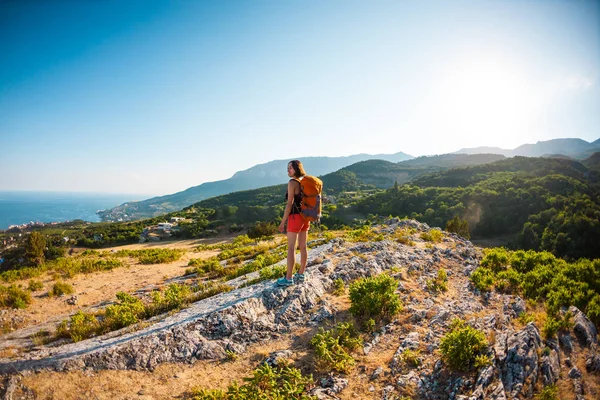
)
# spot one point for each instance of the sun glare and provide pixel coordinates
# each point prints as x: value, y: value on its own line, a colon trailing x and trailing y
x: 487, y: 97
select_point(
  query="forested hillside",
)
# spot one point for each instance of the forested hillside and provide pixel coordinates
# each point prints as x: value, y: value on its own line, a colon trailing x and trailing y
x: 550, y: 204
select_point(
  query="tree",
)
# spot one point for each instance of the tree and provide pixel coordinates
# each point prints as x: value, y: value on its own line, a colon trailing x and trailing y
x: 459, y: 226
x: 34, y: 248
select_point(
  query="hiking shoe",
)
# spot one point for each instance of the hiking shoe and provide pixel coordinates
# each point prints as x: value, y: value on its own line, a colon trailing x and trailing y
x: 299, y: 278
x: 284, y: 282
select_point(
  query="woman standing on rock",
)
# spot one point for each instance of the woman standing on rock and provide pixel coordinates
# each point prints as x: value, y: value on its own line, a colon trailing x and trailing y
x: 297, y: 227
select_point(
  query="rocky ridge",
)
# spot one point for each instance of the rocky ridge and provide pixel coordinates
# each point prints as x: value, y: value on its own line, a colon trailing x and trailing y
x: 522, y: 362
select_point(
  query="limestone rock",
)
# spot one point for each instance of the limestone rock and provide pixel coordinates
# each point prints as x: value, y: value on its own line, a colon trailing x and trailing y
x: 584, y: 329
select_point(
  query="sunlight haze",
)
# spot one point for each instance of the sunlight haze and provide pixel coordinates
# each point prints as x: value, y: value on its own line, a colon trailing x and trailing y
x: 154, y: 97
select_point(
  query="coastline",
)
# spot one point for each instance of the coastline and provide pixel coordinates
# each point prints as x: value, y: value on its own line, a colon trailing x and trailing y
x: 31, y: 208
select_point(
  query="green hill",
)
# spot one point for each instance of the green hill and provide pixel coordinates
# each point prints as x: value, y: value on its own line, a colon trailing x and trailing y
x: 258, y: 176
x: 548, y: 204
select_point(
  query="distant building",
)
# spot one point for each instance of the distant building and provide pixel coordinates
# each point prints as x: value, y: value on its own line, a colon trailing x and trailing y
x: 165, y: 226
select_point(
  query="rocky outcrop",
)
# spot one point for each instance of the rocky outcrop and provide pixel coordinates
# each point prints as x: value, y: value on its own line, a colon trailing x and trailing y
x: 520, y: 360
x: 229, y: 321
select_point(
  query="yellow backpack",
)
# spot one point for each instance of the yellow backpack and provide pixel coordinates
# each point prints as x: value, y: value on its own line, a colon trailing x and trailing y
x: 311, y: 188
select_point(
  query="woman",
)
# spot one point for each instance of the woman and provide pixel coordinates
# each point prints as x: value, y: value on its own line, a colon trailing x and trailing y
x: 297, y: 228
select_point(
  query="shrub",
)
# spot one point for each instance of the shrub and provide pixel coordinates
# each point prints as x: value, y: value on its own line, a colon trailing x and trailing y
x: 174, y: 296
x: 159, y: 256
x: 61, y: 288
x: 70, y: 266
x: 208, y: 394
x: 272, y: 272
x: 459, y: 226
x: 211, y: 265
x: 338, y: 287
x: 461, y: 346
x: 434, y: 235
x: 496, y: 259
x: 483, y: 279
x: 553, y: 325
x: 593, y: 310
x: 126, y: 312
x: 508, y: 280
x: 242, y: 240
x: 439, y: 283
x: 402, y: 235
x: 22, y: 273
x: 482, y: 360
x: 549, y: 392
x: 410, y: 358
x: 231, y: 355
x: 375, y: 297
x: 364, y: 234
x: 369, y: 325
x: 206, y: 290
x: 80, y: 326
x: 273, y: 383
x: 330, y: 350
x: 35, y: 285
x: 526, y: 318
x: 262, y: 230
x: 14, y: 296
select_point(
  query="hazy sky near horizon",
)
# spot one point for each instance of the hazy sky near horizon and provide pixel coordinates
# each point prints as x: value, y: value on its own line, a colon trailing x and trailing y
x: 153, y: 97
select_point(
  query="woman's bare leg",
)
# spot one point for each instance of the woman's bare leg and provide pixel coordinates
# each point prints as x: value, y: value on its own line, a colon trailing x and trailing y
x: 291, y: 255
x: 302, y: 237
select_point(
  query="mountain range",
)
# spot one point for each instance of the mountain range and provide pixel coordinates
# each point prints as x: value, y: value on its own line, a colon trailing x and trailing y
x: 274, y: 172
x: 573, y: 148
x: 267, y: 174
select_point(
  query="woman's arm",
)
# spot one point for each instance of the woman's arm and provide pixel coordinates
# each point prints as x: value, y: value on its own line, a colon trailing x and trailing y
x: 288, y: 206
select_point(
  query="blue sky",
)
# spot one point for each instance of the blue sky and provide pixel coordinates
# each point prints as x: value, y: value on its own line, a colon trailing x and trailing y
x: 153, y: 97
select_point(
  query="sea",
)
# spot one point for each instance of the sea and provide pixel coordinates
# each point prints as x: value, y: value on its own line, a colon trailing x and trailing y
x: 22, y: 207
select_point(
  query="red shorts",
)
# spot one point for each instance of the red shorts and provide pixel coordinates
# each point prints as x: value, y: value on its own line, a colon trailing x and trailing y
x: 297, y: 224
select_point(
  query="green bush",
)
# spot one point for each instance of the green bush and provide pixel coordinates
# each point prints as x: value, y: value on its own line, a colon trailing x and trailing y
x: 35, y: 285
x: 483, y: 279
x: 126, y: 312
x: 211, y: 266
x: 553, y: 325
x: 272, y: 272
x: 208, y: 394
x: 363, y: 234
x: 439, y: 283
x: 434, y: 235
x: 260, y: 261
x: 526, y: 318
x: 459, y: 226
x: 14, y: 296
x: 593, y: 310
x: 331, y: 347
x: 159, y: 256
x: 23, y: 273
x: 496, y: 259
x: 61, y: 288
x: 411, y: 358
x: 462, y: 345
x: 174, y: 296
x: 278, y: 383
x: 80, y: 326
x: 508, y: 280
x: 338, y: 287
x: 70, y: 266
x: 549, y: 392
x: 262, y: 230
x: 375, y: 297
